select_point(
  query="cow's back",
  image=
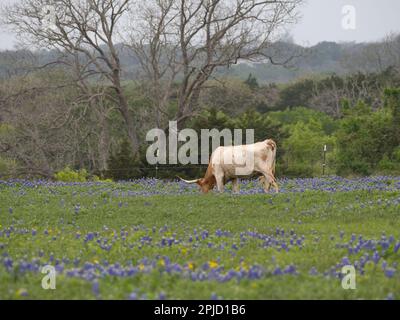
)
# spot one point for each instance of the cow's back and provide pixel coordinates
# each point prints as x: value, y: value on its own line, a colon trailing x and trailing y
x: 243, y: 160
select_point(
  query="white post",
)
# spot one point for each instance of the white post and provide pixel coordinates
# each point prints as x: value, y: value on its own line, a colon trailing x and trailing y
x: 324, y: 164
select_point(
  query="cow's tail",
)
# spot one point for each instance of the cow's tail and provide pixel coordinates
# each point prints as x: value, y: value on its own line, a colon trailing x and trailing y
x: 274, y: 163
x: 272, y: 145
x: 274, y: 166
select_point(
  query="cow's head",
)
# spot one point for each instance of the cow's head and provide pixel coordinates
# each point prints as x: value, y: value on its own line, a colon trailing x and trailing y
x: 205, y: 184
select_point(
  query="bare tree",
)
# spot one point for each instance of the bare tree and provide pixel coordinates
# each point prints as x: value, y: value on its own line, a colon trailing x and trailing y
x: 374, y: 56
x: 190, y: 39
x: 391, y: 48
x: 86, y: 29
x: 178, y: 43
x: 156, y: 49
x: 49, y: 122
x: 37, y: 115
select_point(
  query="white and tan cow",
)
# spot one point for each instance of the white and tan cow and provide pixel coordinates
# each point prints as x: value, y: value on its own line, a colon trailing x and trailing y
x: 234, y: 162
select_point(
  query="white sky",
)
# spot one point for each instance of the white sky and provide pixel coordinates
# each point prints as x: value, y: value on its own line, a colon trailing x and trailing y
x: 321, y: 21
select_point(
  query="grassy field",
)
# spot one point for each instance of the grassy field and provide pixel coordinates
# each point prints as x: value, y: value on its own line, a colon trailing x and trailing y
x: 150, y: 239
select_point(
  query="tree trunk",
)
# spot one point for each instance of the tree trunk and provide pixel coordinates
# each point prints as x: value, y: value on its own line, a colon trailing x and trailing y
x: 132, y: 134
x: 104, y: 144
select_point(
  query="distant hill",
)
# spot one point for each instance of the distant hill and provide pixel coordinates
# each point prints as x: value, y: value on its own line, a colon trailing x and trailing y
x: 323, y: 58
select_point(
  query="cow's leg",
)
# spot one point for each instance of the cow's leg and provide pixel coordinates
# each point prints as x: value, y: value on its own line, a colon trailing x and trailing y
x: 274, y: 183
x: 265, y: 183
x: 270, y: 180
x: 235, y: 185
x: 220, y: 183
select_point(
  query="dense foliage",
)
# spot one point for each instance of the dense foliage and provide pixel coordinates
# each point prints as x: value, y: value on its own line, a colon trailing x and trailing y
x: 46, y: 125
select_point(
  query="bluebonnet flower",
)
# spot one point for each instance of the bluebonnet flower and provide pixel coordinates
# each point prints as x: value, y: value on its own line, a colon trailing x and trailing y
x: 77, y: 208
x: 22, y: 293
x: 277, y: 271
x: 376, y: 257
x: 290, y: 269
x: 313, y: 271
x: 390, y: 296
x: 214, y: 296
x: 396, y: 247
x: 96, y: 288
x: 390, y: 272
x: 346, y: 261
x: 133, y: 296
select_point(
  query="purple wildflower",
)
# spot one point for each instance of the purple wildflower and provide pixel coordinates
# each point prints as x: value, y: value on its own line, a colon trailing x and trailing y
x: 133, y: 296
x: 390, y: 272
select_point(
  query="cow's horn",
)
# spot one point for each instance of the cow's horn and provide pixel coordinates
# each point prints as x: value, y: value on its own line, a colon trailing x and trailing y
x: 189, y: 181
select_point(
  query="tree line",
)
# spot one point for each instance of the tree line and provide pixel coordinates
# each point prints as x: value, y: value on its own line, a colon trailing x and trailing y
x: 41, y: 134
x: 81, y: 110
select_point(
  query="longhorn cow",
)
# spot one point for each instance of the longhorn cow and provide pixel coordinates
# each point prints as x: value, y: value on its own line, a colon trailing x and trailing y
x: 233, y: 162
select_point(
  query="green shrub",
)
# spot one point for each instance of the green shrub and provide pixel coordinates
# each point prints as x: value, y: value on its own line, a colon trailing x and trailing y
x: 299, y: 170
x: 122, y: 165
x: 363, y: 139
x: 7, y: 166
x: 386, y: 164
x: 396, y: 155
x: 353, y: 168
x: 69, y: 175
x: 95, y: 178
x: 389, y: 165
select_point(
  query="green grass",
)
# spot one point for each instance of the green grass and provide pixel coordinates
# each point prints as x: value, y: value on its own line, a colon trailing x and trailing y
x: 316, y: 215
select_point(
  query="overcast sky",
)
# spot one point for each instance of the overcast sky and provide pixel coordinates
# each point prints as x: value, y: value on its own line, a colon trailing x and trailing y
x: 321, y: 20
